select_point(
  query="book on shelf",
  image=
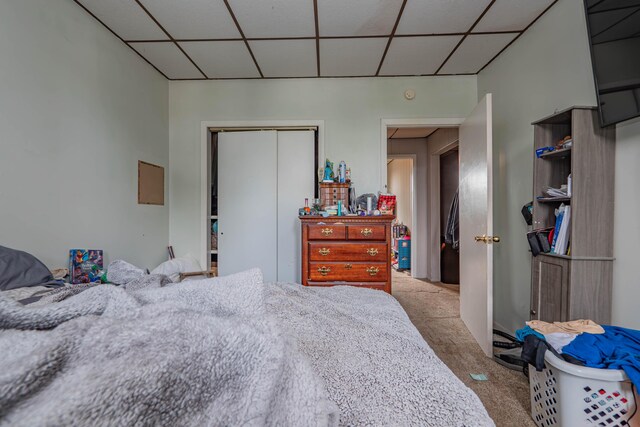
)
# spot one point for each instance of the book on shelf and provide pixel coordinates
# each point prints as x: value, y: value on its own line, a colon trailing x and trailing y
x: 563, y: 238
x: 556, y: 230
x: 561, y: 230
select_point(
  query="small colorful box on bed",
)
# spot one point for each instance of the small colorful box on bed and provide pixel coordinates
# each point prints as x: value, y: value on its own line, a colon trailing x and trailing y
x: 85, y: 265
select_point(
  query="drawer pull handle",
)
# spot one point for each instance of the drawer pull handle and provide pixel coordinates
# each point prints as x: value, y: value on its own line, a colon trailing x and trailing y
x: 324, y: 270
x: 372, y: 251
x: 324, y: 251
x: 327, y: 231
x: 348, y: 266
x: 372, y: 271
x: 366, y: 232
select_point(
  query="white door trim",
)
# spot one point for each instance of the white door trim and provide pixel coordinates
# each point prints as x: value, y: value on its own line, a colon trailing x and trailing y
x: 205, y: 144
x: 414, y: 202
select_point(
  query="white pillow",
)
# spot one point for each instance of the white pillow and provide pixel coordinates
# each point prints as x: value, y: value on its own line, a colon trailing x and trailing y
x: 174, y: 267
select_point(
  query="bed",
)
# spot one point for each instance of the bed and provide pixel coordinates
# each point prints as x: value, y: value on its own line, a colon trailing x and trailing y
x: 223, y: 351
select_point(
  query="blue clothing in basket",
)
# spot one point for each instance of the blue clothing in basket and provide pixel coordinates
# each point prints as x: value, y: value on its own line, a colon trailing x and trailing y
x: 527, y: 330
x: 617, y: 348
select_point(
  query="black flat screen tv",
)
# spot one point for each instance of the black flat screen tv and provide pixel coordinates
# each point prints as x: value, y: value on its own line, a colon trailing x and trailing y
x: 614, y: 36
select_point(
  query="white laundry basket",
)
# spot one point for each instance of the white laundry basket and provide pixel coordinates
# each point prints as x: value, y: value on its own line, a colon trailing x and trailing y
x: 568, y: 395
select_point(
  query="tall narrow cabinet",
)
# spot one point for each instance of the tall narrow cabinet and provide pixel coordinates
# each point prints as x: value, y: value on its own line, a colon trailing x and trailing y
x: 577, y: 285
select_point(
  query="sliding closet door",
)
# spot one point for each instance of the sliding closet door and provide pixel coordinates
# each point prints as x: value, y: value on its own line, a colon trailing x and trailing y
x: 247, y: 202
x: 296, y: 172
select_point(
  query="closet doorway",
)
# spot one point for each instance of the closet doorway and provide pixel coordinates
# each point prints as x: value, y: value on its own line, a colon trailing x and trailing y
x: 254, y: 180
x: 449, y: 217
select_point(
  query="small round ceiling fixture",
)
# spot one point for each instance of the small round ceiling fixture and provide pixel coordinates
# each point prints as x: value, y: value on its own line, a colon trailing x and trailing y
x: 409, y: 94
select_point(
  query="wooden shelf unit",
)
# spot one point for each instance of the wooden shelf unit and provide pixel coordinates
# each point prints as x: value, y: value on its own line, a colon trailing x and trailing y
x: 554, y: 200
x: 576, y: 286
x: 562, y: 153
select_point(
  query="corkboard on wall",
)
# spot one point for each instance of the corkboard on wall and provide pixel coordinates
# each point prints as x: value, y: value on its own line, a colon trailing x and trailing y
x: 150, y: 184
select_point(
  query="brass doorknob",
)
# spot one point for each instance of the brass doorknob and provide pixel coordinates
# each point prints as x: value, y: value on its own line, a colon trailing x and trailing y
x: 487, y: 239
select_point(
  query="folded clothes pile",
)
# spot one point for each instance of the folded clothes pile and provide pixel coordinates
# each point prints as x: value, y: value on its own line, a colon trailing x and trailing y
x: 583, y: 342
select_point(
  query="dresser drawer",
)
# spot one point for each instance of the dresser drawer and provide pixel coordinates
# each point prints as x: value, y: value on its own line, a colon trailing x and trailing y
x: 327, y: 231
x: 347, y: 272
x: 372, y: 252
x: 367, y: 232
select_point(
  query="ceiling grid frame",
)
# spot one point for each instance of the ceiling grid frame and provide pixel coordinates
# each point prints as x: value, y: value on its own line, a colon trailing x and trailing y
x: 244, y: 38
x: 316, y: 38
x: 317, y: 24
x: 170, y: 37
x: 518, y: 36
x: 465, y: 35
x: 393, y: 31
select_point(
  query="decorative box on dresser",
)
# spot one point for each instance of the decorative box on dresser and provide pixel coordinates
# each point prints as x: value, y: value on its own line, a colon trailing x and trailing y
x: 347, y: 250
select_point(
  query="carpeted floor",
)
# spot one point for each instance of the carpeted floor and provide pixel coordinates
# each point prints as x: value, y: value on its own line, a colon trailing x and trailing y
x: 435, y: 310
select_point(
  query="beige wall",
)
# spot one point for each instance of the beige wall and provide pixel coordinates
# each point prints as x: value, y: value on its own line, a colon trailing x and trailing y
x: 78, y: 109
x: 399, y: 182
x: 545, y: 70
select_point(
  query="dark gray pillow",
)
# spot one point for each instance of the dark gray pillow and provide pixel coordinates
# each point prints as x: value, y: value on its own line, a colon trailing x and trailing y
x: 19, y: 269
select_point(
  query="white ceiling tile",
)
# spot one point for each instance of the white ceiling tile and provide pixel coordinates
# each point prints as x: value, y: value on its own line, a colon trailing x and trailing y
x: 417, y: 55
x: 126, y: 18
x: 475, y: 51
x: 285, y: 58
x: 275, y: 18
x: 224, y: 59
x: 511, y: 15
x: 440, y: 16
x: 351, y: 57
x: 168, y: 58
x: 357, y: 17
x: 193, y: 19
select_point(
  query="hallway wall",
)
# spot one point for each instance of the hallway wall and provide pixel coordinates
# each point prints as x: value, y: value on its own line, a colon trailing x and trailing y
x: 399, y: 177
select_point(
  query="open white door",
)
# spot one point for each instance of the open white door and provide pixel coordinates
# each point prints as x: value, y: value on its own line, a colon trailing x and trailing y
x: 247, y: 202
x: 476, y: 225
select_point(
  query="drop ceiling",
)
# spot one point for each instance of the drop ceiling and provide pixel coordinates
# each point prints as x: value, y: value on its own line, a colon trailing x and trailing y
x: 252, y: 39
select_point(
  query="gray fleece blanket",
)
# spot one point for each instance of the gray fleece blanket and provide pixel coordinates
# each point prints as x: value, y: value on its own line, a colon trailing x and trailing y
x: 375, y: 365
x: 202, y: 353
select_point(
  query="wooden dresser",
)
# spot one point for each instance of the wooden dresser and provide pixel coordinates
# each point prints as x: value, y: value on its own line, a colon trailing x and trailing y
x: 347, y: 250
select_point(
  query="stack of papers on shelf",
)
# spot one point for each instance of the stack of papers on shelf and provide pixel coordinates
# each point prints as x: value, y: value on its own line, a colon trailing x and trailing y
x: 561, y: 233
x: 557, y: 192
